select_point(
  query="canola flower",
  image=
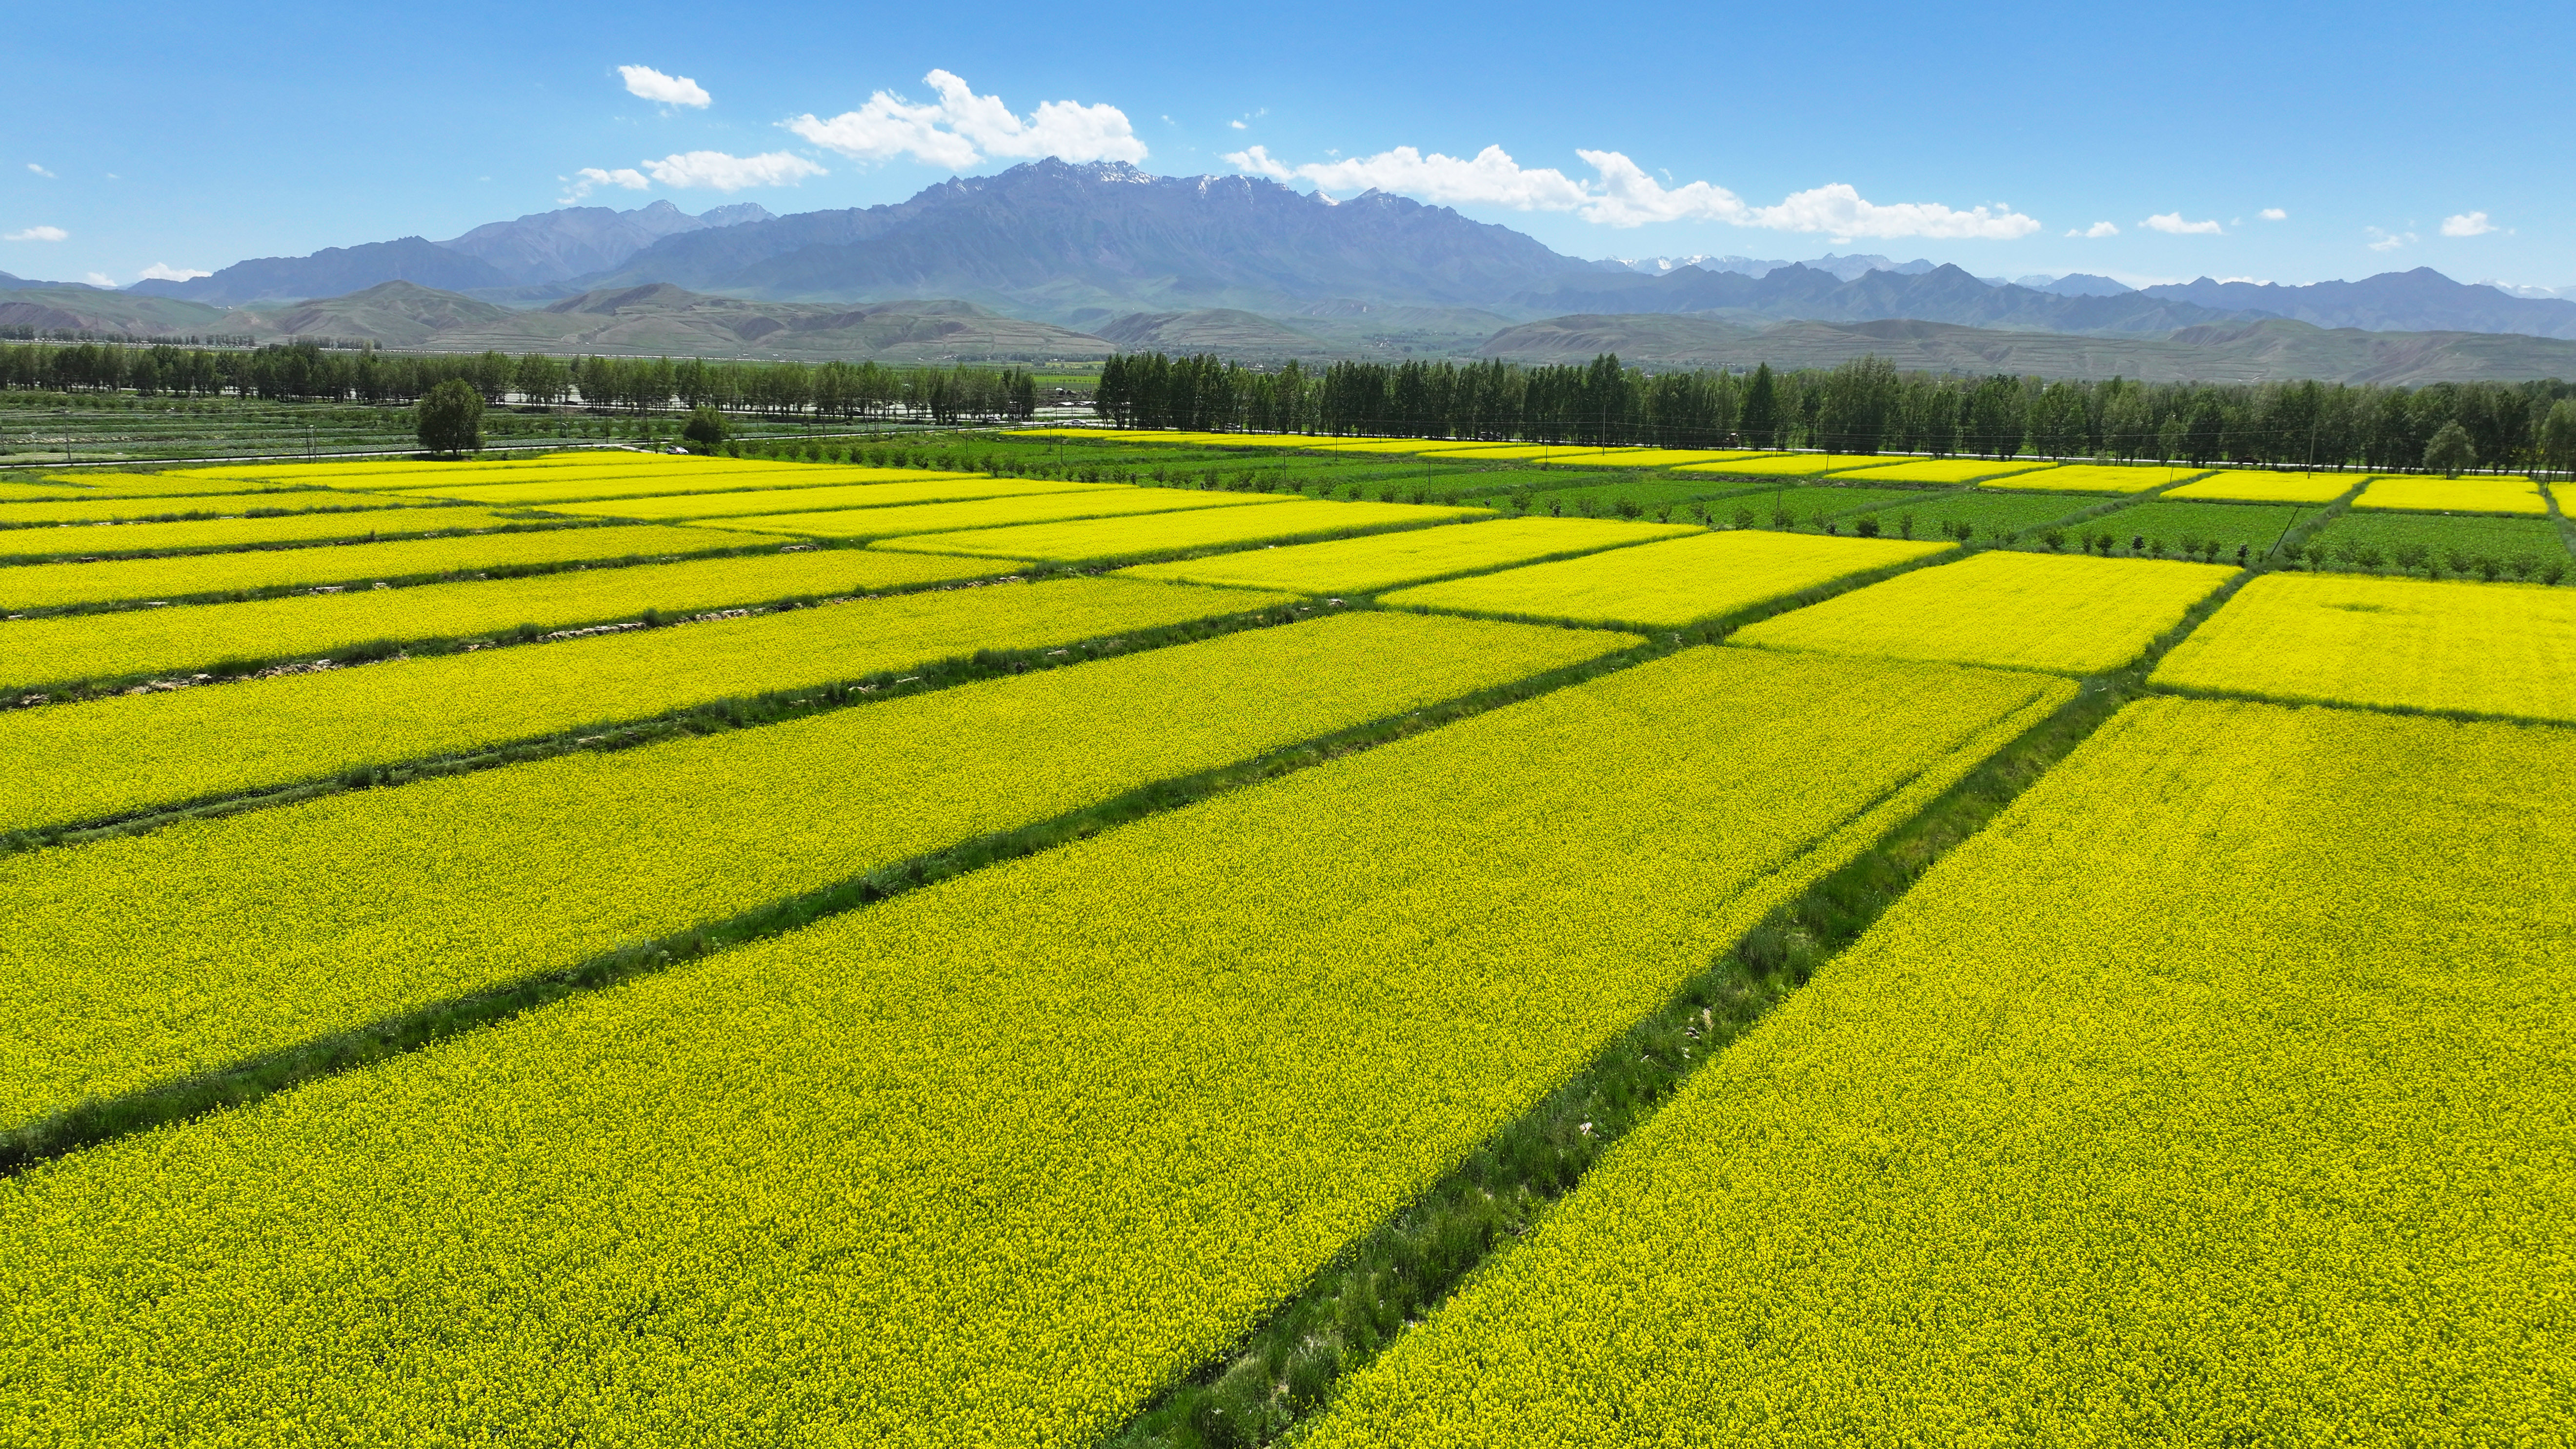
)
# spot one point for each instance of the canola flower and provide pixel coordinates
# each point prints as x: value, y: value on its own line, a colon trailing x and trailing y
x: 991, y: 513
x: 1107, y: 540
x: 2093, y: 478
x: 823, y: 497
x: 1619, y: 457
x: 1944, y: 470
x: 66, y: 585
x: 1378, y: 561
x: 176, y: 483
x: 71, y: 508
x: 585, y: 485
x: 2217, y: 1093
x: 1790, y: 465
x: 2262, y: 485
x: 2453, y: 495
x: 2476, y: 648
x: 2068, y: 614
x: 1668, y: 585
x: 216, y: 534
x: 991, y: 1161
x: 51, y: 653
x: 134, y: 752
x: 134, y: 961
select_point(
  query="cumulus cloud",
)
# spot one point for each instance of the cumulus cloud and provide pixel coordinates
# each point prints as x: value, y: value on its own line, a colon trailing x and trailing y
x: 164, y: 272
x: 961, y: 128
x: 718, y: 171
x: 669, y: 90
x: 2473, y: 223
x: 2388, y: 241
x: 2273, y: 213
x: 38, y: 233
x: 39, y: 170
x: 591, y: 177
x: 1620, y: 193
x: 2097, y: 229
x: 99, y: 279
x: 2172, y: 224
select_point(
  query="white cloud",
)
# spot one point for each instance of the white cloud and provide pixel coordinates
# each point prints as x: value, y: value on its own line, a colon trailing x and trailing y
x: 39, y: 170
x: 2472, y: 223
x: 720, y: 172
x: 2097, y: 229
x: 38, y: 233
x: 164, y: 272
x: 592, y: 177
x: 1238, y: 125
x: 2255, y: 281
x: 2172, y: 224
x: 962, y: 128
x: 1622, y: 194
x: 669, y: 90
x: 99, y: 279
x: 2273, y: 213
x: 2388, y: 241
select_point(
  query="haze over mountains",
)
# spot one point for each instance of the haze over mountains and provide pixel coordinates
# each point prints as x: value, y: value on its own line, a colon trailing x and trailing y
x: 1053, y: 259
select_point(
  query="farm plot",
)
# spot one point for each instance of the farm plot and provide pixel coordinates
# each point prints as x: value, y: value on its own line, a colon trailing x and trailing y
x: 177, y: 483
x: 1103, y: 502
x: 1108, y: 540
x: 910, y: 489
x: 1817, y: 506
x: 2462, y: 544
x: 1788, y: 465
x: 30, y: 587
x: 77, y: 510
x: 2256, y: 485
x: 2494, y: 649
x: 1009, y: 1151
x: 2183, y: 1104
x: 2216, y: 531
x: 1649, y: 496
x: 2067, y: 615
x: 136, y: 752
x: 586, y: 486
x: 1989, y: 518
x: 1944, y: 470
x: 211, y: 535
x: 1630, y: 457
x: 231, y: 937
x: 2093, y: 478
x: 1387, y: 560
x: 1670, y: 585
x: 99, y: 649
x: 2453, y: 495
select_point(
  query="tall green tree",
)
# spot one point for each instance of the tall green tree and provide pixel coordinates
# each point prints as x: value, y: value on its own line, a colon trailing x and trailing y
x: 2558, y: 437
x: 451, y: 417
x: 2450, y: 451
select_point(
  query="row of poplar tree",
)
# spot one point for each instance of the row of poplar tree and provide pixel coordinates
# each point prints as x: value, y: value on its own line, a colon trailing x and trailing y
x: 307, y: 373
x: 1862, y: 406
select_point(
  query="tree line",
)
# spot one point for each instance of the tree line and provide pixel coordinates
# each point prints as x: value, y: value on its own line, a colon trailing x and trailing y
x: 1862, y: 406
x: 306, y: 372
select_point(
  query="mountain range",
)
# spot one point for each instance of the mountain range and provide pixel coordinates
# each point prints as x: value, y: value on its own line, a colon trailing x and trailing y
x: 1054, y: 259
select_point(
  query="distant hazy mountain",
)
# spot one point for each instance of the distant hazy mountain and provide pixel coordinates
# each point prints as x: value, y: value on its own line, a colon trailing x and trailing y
x: 572, y: 241
x: 2422, y: 300
x: 545, y: 246
x: 2076, y: 284
x: 1943, y: 294
x: 1051, y: 239
x: 1846, y: 268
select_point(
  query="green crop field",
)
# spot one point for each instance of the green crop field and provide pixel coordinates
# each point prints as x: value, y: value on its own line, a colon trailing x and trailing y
x: 1170, y: 939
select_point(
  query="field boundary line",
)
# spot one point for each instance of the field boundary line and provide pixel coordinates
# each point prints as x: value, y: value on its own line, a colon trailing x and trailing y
x: 241, y: 1083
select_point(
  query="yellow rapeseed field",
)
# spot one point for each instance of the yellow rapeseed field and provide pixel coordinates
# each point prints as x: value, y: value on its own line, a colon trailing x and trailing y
x: 104, y: 648
x: 1943, y: 470
x: 133, y: 961
x: 2092, y: 478
x: 2427, y: 494
x: 2215, y: 1094
x: 1668, y: 585
x: 911, y: 488
x: 586, y: 485
x: 212, y: 534
x: 2503, y: 649
x: 1793, y: 465
x: 176, y: 483
x: 1107, y: 540
x: 1386, y: 560
x: 132, y: 752
x: 1627, y: 457
x: 2070, y: 614
x: 63, y: 585
x: 2258, y: 485
x: 986, y: 1163
x: 60, y: 508
x: 983, y: 513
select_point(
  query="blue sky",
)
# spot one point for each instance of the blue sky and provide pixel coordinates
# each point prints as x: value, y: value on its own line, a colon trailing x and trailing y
x: 189, y: 137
